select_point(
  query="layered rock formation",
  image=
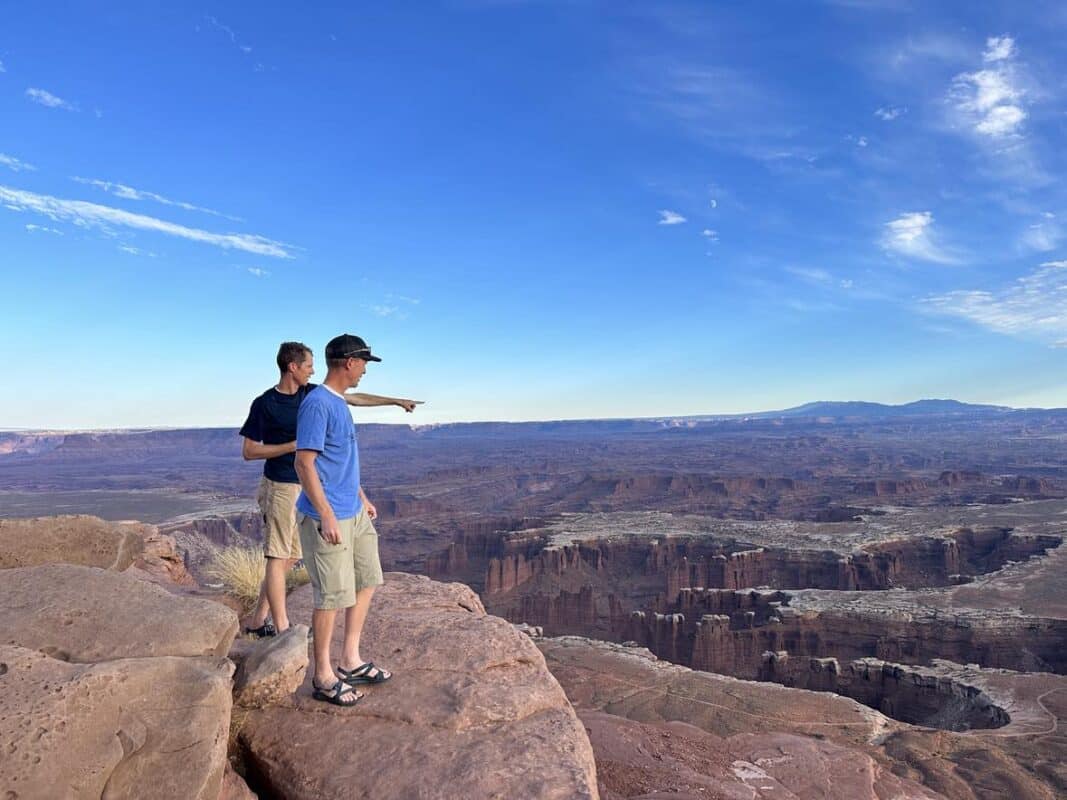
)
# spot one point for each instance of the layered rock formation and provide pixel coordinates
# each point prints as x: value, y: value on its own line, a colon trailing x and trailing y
x: 659, y: 727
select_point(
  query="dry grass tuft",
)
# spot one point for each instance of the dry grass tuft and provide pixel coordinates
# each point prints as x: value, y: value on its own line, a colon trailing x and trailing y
x: 297, y: 576
x: 240, y: 570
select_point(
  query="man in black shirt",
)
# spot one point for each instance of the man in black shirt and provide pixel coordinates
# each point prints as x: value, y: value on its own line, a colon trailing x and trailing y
x: 270, y: 433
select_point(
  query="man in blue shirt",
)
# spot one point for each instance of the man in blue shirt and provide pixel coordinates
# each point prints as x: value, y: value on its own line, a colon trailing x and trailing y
x: 270, y: 433
x: 337, y: 532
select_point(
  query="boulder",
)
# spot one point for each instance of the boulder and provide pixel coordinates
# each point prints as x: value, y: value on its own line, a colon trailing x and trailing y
x: 645, y: 759
x: 85, y: 614
x: 234, y: 786
x: 471, y: 711
x: 272, y: 669
x: 85, y: 540
x: 160, y: 558
x: 141, y: 727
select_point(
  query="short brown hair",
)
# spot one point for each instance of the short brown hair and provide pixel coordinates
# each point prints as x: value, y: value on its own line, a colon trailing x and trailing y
x: 291, y: 353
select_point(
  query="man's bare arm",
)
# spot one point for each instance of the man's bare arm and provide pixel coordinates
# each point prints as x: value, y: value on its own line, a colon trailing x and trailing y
x: 250, y: 450
x: 372, y: 510
x: 312, y: 486
x: 362, y: 399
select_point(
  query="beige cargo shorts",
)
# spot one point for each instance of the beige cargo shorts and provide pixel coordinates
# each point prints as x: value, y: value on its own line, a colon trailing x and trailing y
x: 340, y: 570
x: 277, y: 502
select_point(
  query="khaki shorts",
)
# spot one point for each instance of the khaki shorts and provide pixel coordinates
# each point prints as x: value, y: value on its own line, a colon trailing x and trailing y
x: 277, y: 501
x: 338, y: 571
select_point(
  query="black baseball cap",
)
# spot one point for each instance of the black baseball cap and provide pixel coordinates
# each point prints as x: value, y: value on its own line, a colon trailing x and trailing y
x: 348, y: 346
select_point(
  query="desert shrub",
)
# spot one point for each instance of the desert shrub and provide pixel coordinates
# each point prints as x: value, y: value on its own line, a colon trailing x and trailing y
x: 240, y: 570
x: 297, y: 576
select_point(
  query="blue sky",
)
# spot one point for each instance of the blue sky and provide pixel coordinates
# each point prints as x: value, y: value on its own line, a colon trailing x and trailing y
x: 532, y: 210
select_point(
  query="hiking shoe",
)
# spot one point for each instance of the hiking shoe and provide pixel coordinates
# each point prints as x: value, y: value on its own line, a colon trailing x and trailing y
x: 263, y: 631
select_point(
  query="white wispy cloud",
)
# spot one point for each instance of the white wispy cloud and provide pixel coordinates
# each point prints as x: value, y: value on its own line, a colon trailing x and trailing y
x: 811, y: 274
x: 1043, y: 236
x: 385, y: 311
x: 668, y: 217
x: 1034, y: 306
x: 46, y: 98
x: 911, y: 235
x: 917, y: 52
x: 998, y: 48
x: 710, y: 235
x: 890, y: 113
x: 231, y: 34
x: 42, y: 229
x: 129, y: 193
x: 15, y: 164
x: 214, y: 22
x: 93, y: 215
x: 989, y: 100
x: 136, y: 251
x: 259, y: 272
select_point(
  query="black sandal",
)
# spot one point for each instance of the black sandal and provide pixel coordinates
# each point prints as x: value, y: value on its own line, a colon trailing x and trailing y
x: 364, y: 674
x: 263, y: 631
x: 334, y: 694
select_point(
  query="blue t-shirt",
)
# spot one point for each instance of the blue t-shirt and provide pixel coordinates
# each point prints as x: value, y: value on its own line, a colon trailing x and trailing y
x: 272, y: 420
x: 324, y: 424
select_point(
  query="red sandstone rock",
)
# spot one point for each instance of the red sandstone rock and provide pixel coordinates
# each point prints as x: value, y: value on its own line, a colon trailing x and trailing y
x: 646, y: 760
x: 272, y: 669
x: 85, y: 614
x: 471, y: 712
x: 140, y: 727
x: 160, y: 558
x: 234, y: 786
x: 85, y: 540
x: 1021, y: 761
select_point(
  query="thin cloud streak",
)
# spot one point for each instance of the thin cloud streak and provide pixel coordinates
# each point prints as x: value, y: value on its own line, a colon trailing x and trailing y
x: 16, y: 164
x: 93, y: 215
x: 43, y: 229
x: 890, y: 113
x: 129, y: 193
x: 668, y: 217
x: 46, y: 98
x: 1034, y: 306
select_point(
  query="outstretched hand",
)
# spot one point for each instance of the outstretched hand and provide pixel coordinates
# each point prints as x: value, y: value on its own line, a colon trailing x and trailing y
x: 409, y: 405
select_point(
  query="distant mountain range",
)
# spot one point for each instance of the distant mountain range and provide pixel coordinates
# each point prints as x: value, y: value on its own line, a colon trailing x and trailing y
x: 859, y: 408
x: 862, y: 410
x: 12, y: 441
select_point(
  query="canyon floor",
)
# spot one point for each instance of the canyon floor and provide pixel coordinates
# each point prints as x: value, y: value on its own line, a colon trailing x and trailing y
x: 684, y: 574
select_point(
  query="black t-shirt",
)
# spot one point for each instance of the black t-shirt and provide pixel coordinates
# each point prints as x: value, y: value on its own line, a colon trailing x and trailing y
x: 272, y: 420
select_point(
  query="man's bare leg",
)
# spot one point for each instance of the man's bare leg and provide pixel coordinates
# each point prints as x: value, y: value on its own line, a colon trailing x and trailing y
x: 272, y: 594
x: 274, y: 587
x: 355, y: 616
x: 322, y: 620
x: 259, y: 616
